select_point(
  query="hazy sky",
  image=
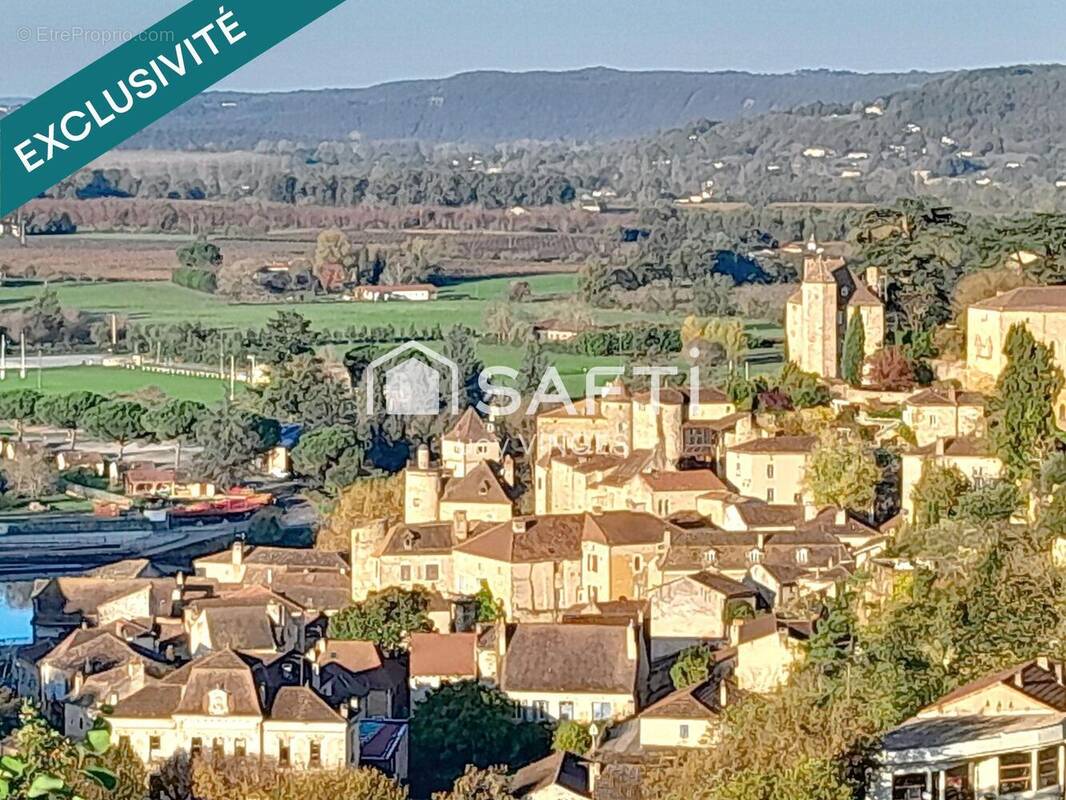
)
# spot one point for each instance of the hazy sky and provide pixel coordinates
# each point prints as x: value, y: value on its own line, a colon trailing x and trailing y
x: 369, y: 41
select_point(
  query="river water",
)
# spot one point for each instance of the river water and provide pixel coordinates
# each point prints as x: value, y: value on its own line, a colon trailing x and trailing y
x: 14, y: 620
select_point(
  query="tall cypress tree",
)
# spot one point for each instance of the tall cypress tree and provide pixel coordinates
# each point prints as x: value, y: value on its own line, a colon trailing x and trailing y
x: 1022, y: 420
x: 854, y: 345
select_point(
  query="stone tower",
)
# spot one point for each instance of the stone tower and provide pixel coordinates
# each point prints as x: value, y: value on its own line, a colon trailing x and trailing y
x: 367, y: 540
x: 421, y: 489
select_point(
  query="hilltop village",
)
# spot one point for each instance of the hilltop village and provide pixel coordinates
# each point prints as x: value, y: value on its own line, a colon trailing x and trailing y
x: 570, y: 621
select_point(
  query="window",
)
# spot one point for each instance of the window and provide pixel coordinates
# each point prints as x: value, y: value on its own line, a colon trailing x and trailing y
x: 637, y: 563
x: 769, y: 470
x: 315, y: 759
x: 683, y: 732
x: 239, y: 749
x: 123, y: 741
x: 405, y: 573
x: 218, y: 748
x: 770, y: 495
x: 601, y: 711
x: 540, y: 710
x: 755, y: 556
x: 153, y: 744
x: 593, y: 563
x: 737, y: 470
x: 908, y: 787
x: 196, y: 747
x: 283, y: 754
x: 1047, y: 767
x: 432, y: 572
x: 1014, y: 772
x: 803, y: 555
x: 566, y: 710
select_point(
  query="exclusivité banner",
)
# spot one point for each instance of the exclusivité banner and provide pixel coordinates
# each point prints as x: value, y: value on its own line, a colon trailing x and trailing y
x: 131, y: 87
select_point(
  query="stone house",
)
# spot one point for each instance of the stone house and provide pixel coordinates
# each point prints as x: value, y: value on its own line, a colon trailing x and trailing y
x: 586, y: 672
x: 767, y: 648
x: 1000, y: 736
x: 439, y: 658
x: 215, y: 705
x: 940, y: 413
x: 972, y: 457
x: 695, y: 609
x: 771, y: 468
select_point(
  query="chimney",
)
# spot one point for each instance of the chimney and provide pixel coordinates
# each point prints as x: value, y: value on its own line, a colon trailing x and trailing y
x: 1043, y: 663
x: 842, y: 516
x: 734, y: 632
x: 940, y: 447
x: 1018, y: 681
x: 723, y: 693
x: 79, y: 679
x: 168, y: 652
x: 760, y: 540
x: 179, y: 579
x: 460, y: 526
x: 631, y: 641
x: 810, y: 511
x: 953, y: 395
x: 873, y: 278
x: 1057, y: 667
x: 508, y: 469
x: 518, y: 525
x: 422, y: 457
x: 344, y: 710
x: 237, y: 553
x: 668, y: 538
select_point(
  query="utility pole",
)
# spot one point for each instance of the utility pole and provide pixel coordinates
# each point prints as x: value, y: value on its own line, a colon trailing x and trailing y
x: 232, y: 378
x: 114, y: 331
x: 3, y: 356
x: 40, y: 367
x: 22, y: 356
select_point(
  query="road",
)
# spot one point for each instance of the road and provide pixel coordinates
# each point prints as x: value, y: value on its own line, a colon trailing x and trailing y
x: 52, y: 362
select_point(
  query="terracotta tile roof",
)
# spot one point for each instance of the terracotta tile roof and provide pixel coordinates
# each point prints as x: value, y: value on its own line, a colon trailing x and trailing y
x: 239, y: 628
x: 945, y: 397
x: 223, y: 670
x: 721, y: 584
x: 1036, y: 682
x: 668, y: 396
x: 295, y: 557
x: 710, y: 396
x: 445, y: 654
x: 759, y: 514
x: 768, y: 624
x: 469, y: 428
x: 552, y: 537
x: 700, y: 701
x: 480, y: 485
x: 424, y: 537
x: 300, y: 704
x: 621, y: 528
x: 548, y: 657
x: 961, y: 446
x: 354, y: 656
x: 777, y: 444
x: 1027, y: 298
x: 561, y: 769
x: 692, y: 480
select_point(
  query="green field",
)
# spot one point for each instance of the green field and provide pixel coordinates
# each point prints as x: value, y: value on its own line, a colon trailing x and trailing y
x: 113, y: 381
x: 462, y: 302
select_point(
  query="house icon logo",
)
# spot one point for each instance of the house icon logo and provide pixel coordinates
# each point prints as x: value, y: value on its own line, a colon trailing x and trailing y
x: 413, y: 385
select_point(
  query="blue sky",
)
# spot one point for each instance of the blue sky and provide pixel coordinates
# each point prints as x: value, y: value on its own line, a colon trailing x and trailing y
x: 364, y: 42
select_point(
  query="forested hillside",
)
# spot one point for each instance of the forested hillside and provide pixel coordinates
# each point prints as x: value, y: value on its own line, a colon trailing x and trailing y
x: 987, y: 139
x: 484, y: 107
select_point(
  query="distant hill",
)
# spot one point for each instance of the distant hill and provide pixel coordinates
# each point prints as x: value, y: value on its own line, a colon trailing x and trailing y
x: 984, y: 139
x: 481, y: 107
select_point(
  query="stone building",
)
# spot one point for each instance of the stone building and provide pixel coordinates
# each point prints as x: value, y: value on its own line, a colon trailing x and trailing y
x: 818, y: 313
